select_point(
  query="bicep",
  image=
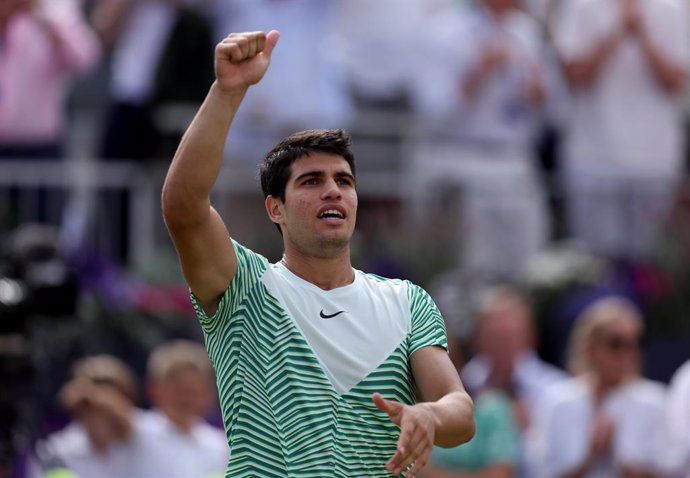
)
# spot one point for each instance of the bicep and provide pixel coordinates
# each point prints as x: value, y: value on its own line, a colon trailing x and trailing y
x: 207, y: 258
x: 434, y: 373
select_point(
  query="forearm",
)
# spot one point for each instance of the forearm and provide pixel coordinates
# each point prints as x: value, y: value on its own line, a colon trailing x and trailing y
x: 197, y: 162
x: 583, y: 72
x: 670, y: 76
x: 453, y: 419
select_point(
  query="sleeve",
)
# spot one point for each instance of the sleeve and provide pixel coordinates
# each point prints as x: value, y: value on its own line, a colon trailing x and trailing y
x: 250, y: 268
x: 427, y: 325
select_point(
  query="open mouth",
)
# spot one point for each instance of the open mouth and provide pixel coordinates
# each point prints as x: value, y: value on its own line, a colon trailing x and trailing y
x: 331, y: 214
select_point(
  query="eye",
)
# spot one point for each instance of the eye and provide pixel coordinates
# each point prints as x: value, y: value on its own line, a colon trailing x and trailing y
x: 344, y: 181
x: 311, y: 181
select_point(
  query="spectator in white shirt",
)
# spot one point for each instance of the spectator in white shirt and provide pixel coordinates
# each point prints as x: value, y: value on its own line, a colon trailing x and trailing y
x: 678, y: 420
x: 178, y: 441
x: 505, y: 357
x: 627, y: 64
x: 607, y: 421
x: 483, y: 85
x: 102, y: 440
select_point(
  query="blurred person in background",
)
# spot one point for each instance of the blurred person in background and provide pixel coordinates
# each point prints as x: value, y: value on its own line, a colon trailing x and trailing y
x: 627, y: 65
x: 678, y: 420
x: 101, y: 441
x: 505, y: 357
x: 42, y: 44
x: 505, y: 351
x: 161, y: 66
x: 179, y: 443
x: 308, y: 85
x: 494, y: 452
x: 606, y: 421
x: 162, y: 54
x: 483, y: 85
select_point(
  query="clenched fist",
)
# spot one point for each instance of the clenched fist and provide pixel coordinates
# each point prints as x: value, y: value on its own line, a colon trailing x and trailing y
x: 243, y: 58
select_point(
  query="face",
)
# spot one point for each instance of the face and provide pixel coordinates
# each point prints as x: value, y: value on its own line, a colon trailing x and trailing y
x: 615, y: 351
x: 320, y: 208
x: 184, y: 394
x: 504, y: 336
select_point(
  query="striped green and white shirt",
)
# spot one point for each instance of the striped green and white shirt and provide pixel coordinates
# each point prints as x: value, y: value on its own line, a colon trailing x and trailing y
x: 296, y: 367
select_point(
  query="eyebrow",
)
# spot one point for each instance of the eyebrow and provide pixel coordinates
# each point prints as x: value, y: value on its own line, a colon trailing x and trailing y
x: 320, y: 174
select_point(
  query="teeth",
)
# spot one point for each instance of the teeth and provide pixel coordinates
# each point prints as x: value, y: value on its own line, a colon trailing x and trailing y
x: 331, y: 212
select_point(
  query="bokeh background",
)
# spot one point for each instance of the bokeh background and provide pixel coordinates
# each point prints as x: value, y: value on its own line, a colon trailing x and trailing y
x: 484, y: 156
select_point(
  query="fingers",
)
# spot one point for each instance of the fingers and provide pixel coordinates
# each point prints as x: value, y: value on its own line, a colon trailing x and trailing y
x: 391, y: 407
x: 238, y: 47
x: 414, y: 448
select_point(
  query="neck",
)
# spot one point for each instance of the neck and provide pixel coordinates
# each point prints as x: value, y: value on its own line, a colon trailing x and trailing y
x: 182, y: 423
x: 324, y: 272
x: 602, y: 387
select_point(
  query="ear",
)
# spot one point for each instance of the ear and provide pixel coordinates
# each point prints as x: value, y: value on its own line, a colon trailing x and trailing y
x: 274, y: 209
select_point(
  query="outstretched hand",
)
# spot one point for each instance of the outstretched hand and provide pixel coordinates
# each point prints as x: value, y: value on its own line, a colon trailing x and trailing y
x: 417, y: 430
x: 242, y: 59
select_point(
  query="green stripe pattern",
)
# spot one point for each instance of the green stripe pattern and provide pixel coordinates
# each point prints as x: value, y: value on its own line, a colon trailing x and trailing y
x: 282, y: 416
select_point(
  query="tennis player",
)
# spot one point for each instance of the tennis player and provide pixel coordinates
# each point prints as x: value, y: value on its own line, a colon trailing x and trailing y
x: 322, y: 370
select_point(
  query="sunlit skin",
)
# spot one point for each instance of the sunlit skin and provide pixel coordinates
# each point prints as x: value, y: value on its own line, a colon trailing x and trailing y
x: 318, y: 182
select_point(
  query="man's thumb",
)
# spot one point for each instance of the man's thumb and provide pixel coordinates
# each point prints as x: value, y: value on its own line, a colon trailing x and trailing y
x: 388, y: 406
x: 271, y: 41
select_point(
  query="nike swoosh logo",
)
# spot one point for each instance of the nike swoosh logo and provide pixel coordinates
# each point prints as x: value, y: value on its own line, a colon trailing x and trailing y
x: 325, y: 316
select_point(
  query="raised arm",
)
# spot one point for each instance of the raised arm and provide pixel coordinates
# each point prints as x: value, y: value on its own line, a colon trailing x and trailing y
x: 202, y: 241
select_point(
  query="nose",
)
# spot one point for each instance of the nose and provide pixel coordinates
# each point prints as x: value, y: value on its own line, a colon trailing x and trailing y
x: 331, y: 189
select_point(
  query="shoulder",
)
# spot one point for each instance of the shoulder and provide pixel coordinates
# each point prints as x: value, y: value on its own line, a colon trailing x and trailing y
x: 681, y: 378
x: 69, y: 441
x: 645, y: 392
x: 210, y: 436
x: 385, y: 284
x: 248, y: 256
x: 566, y: 392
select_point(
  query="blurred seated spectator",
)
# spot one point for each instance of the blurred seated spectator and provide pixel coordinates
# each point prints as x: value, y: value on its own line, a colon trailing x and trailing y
x: 607, y: 421
x: 495, y: 449
x: 101, y: 441
x: 483, y: 87
x: 492, y: 453
x: 505, y: 352
x: 179, y: 443
x: 627, y: 65
x: 678, y: 421
x: 162, y: 53
x: 42, y: 42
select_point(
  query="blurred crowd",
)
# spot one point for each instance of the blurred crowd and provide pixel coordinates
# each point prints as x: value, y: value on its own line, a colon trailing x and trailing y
x: 521, y: 123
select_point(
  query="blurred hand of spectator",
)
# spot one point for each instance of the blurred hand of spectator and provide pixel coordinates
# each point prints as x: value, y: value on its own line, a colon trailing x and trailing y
x: 602, y: 436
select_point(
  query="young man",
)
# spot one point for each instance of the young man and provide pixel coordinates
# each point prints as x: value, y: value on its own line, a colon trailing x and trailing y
x: 317, y: 364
